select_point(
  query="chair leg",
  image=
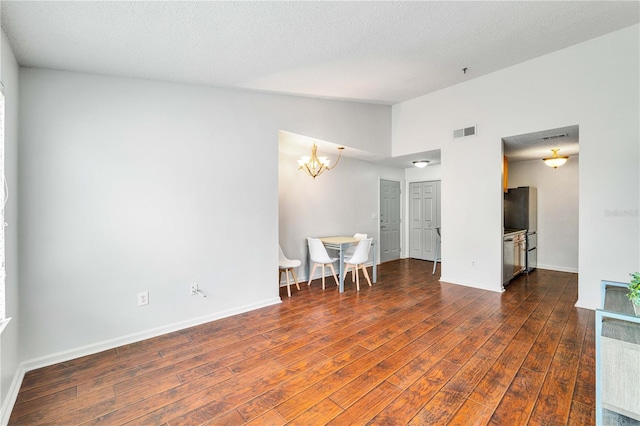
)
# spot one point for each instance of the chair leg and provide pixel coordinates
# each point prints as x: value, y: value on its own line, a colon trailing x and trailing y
x: 323, y: 276
x: 288, y: 286
x: 346, y: 270
x: 366, y: 274
x: 293, y: 272
x: 355, y: 271
x: 313, y: 270
x: 335, y: 277
x: 435, y: 259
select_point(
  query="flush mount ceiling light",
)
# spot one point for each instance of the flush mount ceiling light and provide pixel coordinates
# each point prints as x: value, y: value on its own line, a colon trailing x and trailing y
x: 555, y: 160
x: 314, y: 165
x: 421, y: 163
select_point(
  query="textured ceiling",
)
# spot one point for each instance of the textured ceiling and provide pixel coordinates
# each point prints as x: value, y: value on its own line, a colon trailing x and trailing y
x: 538, y: 145
x: 380, y: 52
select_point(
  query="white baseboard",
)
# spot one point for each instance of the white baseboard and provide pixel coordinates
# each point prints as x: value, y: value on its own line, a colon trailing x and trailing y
x: 470, y: 284
x: 558, y: 268
x: 47, y: 360
x: 579, y: 304
x: 12, y: 396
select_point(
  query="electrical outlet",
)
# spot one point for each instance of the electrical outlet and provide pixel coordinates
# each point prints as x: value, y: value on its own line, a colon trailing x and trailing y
x: 193, y: 289
x: 473, y: 263
x: 143, y: 298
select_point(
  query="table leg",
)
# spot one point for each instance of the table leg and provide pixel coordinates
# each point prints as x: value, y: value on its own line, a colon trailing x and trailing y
x: 375, y: 265
x: 308, y: 267
x: 341, y: 279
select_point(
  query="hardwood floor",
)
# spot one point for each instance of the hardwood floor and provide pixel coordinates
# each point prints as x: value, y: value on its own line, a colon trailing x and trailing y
x: 409, y: 350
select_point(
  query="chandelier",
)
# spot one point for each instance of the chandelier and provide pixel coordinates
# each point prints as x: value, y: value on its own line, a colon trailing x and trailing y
x: 555, y: 160
x: 314, y: 165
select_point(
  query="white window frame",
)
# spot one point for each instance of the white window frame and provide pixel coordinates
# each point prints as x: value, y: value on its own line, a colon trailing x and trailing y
x: 4, y: 194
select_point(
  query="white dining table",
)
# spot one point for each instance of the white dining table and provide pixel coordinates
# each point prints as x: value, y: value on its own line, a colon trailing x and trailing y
x: 340, y: 244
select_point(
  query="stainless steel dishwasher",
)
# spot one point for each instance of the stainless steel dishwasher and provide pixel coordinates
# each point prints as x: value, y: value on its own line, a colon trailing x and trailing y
x: 514, y: 253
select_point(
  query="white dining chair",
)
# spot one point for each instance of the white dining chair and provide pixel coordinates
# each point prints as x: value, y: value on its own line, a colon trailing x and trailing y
x: 350, y: 250
x: 358, y: 261
x: 319, y: 256
x: 286, y: 265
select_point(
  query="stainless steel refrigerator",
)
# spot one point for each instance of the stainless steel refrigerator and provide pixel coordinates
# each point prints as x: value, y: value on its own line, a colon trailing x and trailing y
x: 521, y: 212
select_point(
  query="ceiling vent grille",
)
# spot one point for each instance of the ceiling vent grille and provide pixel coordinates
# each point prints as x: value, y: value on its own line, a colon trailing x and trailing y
x: 467, y: 131
x: 563, y: 135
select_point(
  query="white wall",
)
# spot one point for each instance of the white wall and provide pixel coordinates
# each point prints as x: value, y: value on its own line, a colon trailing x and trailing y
x: 9, y: 339
x: 414, y: 174
x: 339, y: 202
x: 594, y: 85
x: 130, y: 185
x: 557, y: 210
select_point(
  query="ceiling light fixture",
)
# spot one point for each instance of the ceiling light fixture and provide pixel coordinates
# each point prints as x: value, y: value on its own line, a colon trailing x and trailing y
x: 314, y: 166
x: 421, y: 163
x: 555, y: 160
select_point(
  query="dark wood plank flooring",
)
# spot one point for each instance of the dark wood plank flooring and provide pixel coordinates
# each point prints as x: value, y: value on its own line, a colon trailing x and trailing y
x: 409, y: 350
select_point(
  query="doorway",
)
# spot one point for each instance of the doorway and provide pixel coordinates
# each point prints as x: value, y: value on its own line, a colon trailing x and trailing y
x: 389, y: 220
x: 424, y: 218
x: 557, y: 217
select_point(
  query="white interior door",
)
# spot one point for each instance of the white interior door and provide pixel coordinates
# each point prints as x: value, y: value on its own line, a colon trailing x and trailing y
x: 389, y: 220
x: 423, y: 219
x: 415, y: 220
x: 429, y: 218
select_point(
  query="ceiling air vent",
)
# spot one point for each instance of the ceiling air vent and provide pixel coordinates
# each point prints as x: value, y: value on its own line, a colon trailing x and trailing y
x: 467, y: 131
x: 562, y: 135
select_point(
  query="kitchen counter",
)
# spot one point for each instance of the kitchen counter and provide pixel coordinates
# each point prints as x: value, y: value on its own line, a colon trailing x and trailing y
x: 508, y: 231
